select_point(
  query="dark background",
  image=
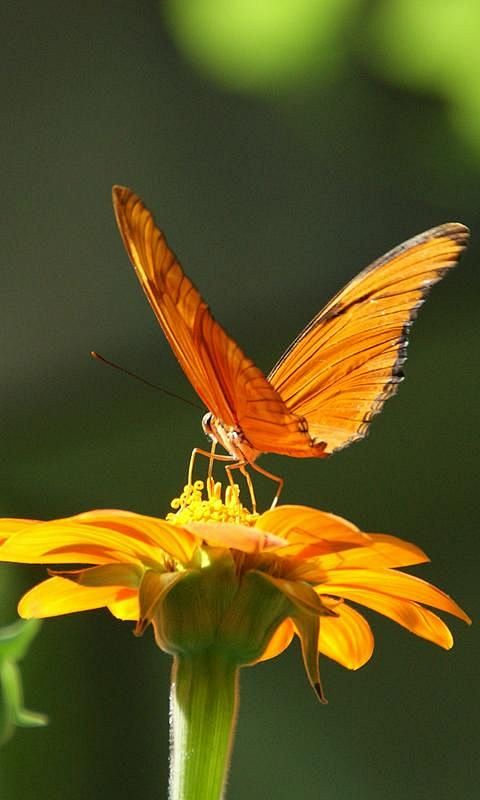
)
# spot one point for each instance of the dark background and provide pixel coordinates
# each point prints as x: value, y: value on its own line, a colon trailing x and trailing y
x: 281, y: 152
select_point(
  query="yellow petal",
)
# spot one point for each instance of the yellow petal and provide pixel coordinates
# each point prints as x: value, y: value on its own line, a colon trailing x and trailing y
x: 152, y: 531
x: 126, y: 608
x: 347, y: 582
x: 60, y: 596
x: 279, y: 641
x: 66, y: 541
x: 62, y: 541
x: 347, y: 638
x: 12, y: 525
x: 9, y: 526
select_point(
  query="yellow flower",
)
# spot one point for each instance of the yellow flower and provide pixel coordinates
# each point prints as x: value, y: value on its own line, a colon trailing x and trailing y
x: 213, y: 574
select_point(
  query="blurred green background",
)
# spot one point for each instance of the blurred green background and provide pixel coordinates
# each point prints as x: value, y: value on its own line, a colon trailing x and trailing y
x: 282, y: 145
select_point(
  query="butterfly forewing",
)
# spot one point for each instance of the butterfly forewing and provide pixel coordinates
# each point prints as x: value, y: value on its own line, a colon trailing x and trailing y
x: 347, y: 362
x: 228, y: 382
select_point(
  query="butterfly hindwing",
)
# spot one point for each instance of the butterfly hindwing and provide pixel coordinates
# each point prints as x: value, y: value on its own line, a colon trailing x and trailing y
x: 347, y: 361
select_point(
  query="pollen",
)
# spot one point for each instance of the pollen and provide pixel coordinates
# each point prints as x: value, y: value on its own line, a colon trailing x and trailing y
x: 193, y: 506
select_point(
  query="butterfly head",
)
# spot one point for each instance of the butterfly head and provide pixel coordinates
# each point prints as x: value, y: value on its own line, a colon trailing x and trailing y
x: 219, y: 433
x: 207, y: 426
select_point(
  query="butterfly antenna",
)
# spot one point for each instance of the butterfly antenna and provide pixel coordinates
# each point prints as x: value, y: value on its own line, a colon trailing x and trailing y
x: 104, y: 360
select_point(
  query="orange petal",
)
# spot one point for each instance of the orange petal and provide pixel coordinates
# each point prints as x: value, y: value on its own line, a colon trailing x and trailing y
x: 66, y: 541
x: 347, y: 582
x: 60, y: 596
x: 380, y: 551
x: 279, y: 641
x: 303, y: 524
x: 420, y: 621
x: 320, y: 551
x: 396, y: 552
x: 346, y: 638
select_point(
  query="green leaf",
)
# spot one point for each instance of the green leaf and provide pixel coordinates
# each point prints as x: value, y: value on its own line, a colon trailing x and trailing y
x: 15, y: 640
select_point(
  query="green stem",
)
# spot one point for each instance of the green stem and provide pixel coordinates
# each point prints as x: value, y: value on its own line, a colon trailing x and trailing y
x: 203, y: 705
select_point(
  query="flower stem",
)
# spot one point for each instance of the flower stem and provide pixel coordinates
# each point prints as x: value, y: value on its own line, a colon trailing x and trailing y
x: 203, y: 704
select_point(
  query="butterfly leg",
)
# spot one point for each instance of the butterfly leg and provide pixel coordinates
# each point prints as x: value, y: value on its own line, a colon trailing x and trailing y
x: 241, y: 465
x: 212, y: 459
x: 212, y: 456
x: 272, y: 477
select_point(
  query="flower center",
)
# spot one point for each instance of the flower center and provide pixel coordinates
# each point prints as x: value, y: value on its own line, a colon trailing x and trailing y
x: 191, y: 506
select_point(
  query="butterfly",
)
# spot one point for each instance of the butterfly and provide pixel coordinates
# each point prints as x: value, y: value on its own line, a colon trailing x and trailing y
x: 336, y: 375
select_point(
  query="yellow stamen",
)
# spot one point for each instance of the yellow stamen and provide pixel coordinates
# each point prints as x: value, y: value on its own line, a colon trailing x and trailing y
x: 192, y: 507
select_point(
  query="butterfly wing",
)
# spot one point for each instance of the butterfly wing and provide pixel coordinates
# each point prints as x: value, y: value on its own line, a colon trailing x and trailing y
x: 347, y: 362
x: 229, y: 383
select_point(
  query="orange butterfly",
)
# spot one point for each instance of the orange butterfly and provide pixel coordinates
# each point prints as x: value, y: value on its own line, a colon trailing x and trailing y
x: 325, y: 389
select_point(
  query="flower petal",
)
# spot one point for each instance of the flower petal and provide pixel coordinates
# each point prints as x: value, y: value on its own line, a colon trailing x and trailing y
x: 126, y: 607
x: 313, y: 533
x: 10, y: 526
x: 380, y: 551
x: 153, y: 589
x: 303, y: 524
x: 301, y: 594
x: 347, y: 638
x: 322, y: 553
x: 71, y: 541
x: 306, y: 613
x: 57, y: 596
x: 125, y: 575
x: 397, y: 552
x: 62, y: 541
x: 234, y: 535
x: 418, y: 620
x: 308, y: 628
x: 348, y: 582
x: 279, y: 641
x: 152, y: 531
